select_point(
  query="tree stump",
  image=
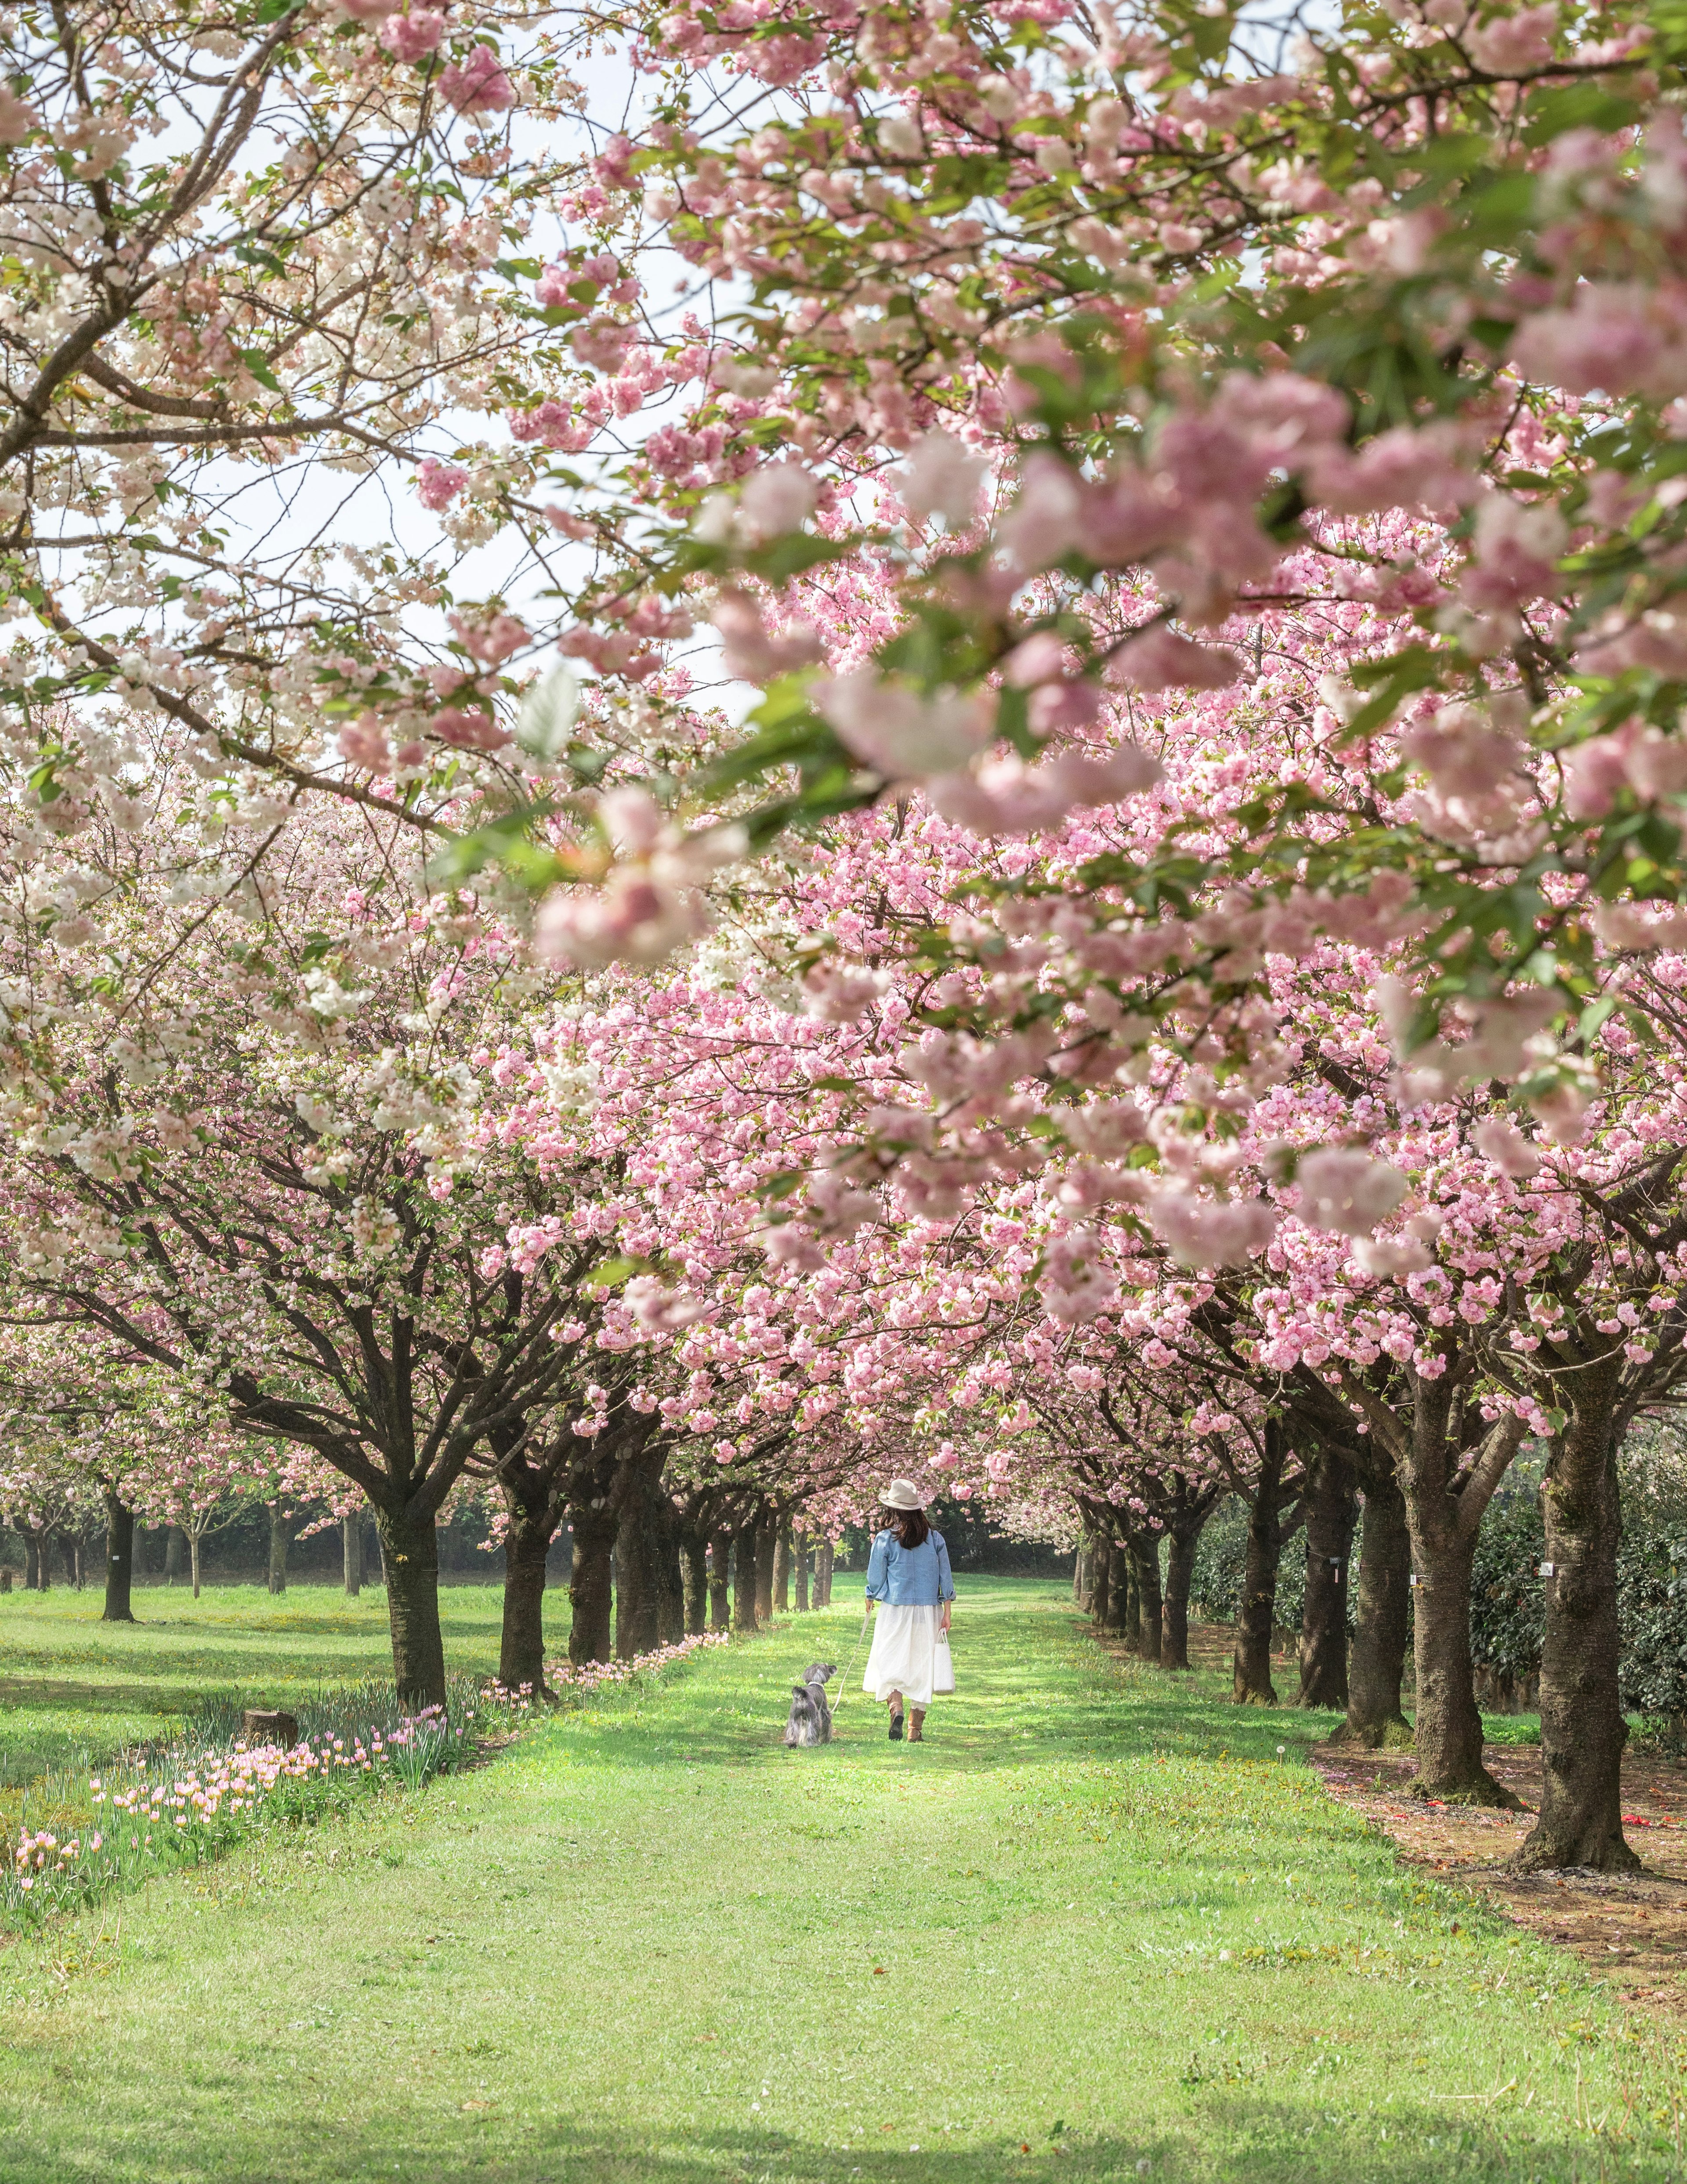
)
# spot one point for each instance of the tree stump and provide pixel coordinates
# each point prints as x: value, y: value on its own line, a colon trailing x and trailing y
x: 265, y: 1727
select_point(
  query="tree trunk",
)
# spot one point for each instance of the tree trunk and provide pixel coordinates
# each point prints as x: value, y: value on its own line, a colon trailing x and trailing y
x: 1145, y: 1568
x: 1328, y: 1501
x: 781, y: 1568
x: 521, y: 1644
x: 1127, y: 1597
x: 766, y: 1543
x: 801, y: 1565
x: 720, y: 1581
x: 745, y: 1616
x: 351, y: 1553
x: 1101, y: 1583
x: 43, y: 1558
x: 31, y: 1561
x: 639, y: 1545
x: 281, y: 1538
x: 175, y: 1560
x: 1582, y: 1729
x: 194, y: 1543
x: 1382, y: 1622
x: 81, y: 1564
x: 823, y: 1567
x: 1449, y: 1724
x: 590, y: 1592
x: 1077, y: 1572
x: 670, y: 1571
x: 1180, y: 1570
x: 1251, y: 1683
x: 411, y: 1550
x: 120, y: 1560
x: 694, y: 1552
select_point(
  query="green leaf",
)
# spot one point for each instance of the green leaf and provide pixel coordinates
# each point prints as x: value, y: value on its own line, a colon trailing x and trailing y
x: 258, y: 365
x: 547, y: 713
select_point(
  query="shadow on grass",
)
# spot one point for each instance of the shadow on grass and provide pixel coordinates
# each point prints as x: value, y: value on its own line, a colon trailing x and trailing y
x: 1263, y: 2142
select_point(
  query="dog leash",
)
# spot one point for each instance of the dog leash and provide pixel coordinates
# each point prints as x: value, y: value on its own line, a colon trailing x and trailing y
x: 844, y: 1681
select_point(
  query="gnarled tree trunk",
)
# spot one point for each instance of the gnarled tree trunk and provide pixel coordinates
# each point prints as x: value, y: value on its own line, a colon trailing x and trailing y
x: 1328, y: 1502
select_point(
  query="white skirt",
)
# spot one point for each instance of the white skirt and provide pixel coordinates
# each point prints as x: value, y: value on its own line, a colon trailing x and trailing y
x: 910, y: 1655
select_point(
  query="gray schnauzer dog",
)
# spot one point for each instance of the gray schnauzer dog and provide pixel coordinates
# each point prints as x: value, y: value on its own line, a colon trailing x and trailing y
x: 810, y: 1717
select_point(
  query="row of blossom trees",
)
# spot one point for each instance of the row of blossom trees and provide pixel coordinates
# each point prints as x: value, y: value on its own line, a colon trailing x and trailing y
x: 1169, y: 988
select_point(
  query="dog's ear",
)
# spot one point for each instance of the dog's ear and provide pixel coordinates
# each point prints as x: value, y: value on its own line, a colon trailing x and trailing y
x: 799, y: 1690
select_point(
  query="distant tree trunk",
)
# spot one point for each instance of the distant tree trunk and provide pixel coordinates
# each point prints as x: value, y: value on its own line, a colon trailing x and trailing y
x: 411, y: 1548
x: 1184, y: 1535
x: 801, y: 1552
x: 766, y: 1544
x: 1328, y: 1501
x: 823, y: 1568
x: 781, y: 1568
x: 351, y: 1553
x: 1382, y: 1620
x: 745, y: 1616
x: 1131, y: 1619
x: 281, y: 1538
x: 590, y: 1591
x: 43, y: 1557
x: 1077, y: 1572
x: 120, y: 1560
x: 694, y: 1552
x: 521, y: 1645
x: 31, y: 1560
x: 720, y: 1581
x: 1099, y: 1555
x: 174, y: 1554
x: 1250, y: 1682
x: 1145, y: 1570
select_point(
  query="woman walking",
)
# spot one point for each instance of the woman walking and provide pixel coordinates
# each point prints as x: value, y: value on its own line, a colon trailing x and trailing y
x: 908, y: 1575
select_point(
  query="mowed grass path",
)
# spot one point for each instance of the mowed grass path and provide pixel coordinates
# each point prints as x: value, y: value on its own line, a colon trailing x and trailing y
x: 73, y: 1687
x: 1097, y: 1923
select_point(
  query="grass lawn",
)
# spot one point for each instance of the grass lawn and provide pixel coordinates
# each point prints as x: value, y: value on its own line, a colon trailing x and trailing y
x: 75, y: 1690
x: 1101, y: 1926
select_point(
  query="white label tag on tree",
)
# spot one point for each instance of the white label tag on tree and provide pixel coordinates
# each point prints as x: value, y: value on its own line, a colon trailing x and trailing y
x: 1545, y: 1570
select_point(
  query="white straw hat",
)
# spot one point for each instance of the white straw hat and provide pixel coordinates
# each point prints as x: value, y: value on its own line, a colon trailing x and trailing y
x: 902, y: 1494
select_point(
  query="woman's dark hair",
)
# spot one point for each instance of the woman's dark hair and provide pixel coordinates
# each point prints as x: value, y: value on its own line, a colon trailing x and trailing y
x: 909, y: 1525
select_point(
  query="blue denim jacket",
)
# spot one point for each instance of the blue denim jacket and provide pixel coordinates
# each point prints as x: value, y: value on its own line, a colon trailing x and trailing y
x: 909, y: 1577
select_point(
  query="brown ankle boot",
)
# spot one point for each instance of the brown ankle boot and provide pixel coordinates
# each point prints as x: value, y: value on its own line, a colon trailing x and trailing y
x: 916, y: 1725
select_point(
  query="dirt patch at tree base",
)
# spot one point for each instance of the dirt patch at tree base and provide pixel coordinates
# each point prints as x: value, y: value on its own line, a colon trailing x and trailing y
x: 1630, y: 1929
